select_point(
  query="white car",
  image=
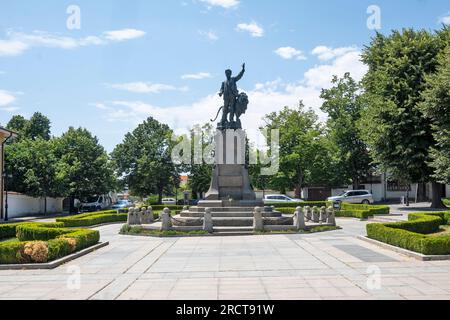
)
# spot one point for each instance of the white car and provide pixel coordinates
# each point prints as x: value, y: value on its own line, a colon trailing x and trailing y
x: 354, y: 196
x: 279, y: 198
x: 169, y: 201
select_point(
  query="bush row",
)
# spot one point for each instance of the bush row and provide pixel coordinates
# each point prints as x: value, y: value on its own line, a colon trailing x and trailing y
x: 374, y: 209
x: 413, y: 234
x: 39, y: 243
x: 92, y: 219
x: 300, y: 204
x: 446, y: 202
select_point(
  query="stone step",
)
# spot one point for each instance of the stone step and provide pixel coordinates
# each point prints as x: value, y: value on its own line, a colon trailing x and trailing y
x: 228, y: 214
x: 233, y: 222
x: 233, y: 230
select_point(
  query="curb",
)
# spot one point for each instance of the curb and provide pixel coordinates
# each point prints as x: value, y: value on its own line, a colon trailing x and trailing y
x: 405, y: 252
x: 56, y: 263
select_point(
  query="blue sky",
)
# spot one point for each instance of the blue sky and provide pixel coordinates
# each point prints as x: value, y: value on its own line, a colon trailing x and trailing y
x: 132, y: 59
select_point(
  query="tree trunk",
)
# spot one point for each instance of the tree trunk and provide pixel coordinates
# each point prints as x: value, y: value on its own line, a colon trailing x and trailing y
x: 422, y: 192
x: 298, y: 191
x: 160, y: 196
x: 45, y: 205
x: 437, y: 193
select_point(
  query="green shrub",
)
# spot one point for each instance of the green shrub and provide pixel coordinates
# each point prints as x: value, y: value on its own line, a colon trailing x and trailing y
x: 58, y: 240
x: 374, y: 209
x: 86, y: 220
x: 10, y: 253
x: 8, y: 230
x: 413, y: 234
x: 299, y: 204
x: 446, y: 202
x: 286, y: 210
x: 360, y: 214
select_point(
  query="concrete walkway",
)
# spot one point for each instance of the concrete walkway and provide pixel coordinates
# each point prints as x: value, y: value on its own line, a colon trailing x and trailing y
x: 332, y: 265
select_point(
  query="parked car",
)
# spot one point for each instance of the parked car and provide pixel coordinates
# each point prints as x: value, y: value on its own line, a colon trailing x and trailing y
x: 354, y: 196
x: 96, y: 203
x: 122, y: 204
x: 275, y: 198
x: 169, y: 201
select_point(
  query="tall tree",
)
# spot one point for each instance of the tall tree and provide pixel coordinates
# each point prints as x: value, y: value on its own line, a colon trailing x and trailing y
x: 33, y: 167
x: 398, y: 134
x: 38, y: 127
x: 83, y: 168
x: 143, y: 159
x: 436, y: 107
x: 344, y: 107
x: 200, y: 171
x: 303, y: 150
x: 18, y: 124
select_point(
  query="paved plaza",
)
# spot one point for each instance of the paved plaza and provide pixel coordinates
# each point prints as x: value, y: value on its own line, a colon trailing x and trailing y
x: 331, y: 265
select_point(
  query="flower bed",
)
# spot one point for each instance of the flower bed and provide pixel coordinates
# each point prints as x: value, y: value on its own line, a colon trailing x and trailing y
x: 42, y: 242
x: 415, y: 234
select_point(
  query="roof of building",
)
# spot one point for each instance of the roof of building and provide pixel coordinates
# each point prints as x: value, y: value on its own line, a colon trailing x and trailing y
x: 8, y: 132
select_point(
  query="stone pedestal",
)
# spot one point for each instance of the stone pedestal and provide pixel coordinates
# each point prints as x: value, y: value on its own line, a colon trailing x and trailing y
x: 230, y: 177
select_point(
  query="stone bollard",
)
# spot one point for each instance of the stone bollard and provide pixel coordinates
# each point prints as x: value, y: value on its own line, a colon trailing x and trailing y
x: 166, y: 221
x: 323, y: 215
x: 315, y: 215
x: 308, y: 213
x: 147, y: 217
x: 207, y: 221
x: 331, y: 216
x: 299, y: 219
x: 258, y: 223
x: 133, y: 217
x: 130, y: 216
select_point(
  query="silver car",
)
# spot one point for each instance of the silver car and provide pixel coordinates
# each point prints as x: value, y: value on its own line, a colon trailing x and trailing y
x: 354, y: 196
x: 276, y: 198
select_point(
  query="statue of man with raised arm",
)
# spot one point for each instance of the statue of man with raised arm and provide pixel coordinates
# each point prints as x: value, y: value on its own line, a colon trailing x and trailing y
x: 230, y: 93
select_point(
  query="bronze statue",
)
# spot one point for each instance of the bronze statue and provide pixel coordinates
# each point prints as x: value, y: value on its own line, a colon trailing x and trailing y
x: 235, y: 103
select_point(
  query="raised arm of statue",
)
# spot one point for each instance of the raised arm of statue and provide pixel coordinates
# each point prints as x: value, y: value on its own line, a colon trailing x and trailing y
x: 241, y: 74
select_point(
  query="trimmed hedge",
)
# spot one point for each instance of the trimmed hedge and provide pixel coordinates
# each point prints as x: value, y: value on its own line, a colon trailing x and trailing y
x: 349, y: 210
x: 414, y: 234
x: 374, y: 209
x: 299, y: 204
x: 446, y: 202
x: 42, y: 242
x: 360, y: 214
x: 92, y: 219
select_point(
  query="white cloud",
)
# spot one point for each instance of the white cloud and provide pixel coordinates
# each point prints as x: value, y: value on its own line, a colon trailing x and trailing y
x: 6, y: 98
x: 227, y: 4
x: 122, y: 35
x: 209, y: 35
x: 264, y: 98
x: 196, y: 76
x: 290, y: 53
x: 146, y: 87
x: 320, y: 76
x: 325, y: 53
x: 445, y: 19
x: 252, y: 28
x: 17, y: 43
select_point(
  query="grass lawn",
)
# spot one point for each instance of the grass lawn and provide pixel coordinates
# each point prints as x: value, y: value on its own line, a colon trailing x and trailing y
x: 444, y: 231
